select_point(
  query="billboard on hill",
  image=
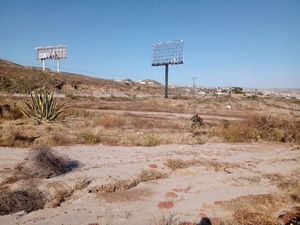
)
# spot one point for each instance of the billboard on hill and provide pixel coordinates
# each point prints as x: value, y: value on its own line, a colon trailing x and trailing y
x: 52, y: 52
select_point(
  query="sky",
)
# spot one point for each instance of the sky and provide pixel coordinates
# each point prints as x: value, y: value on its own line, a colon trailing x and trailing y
x: 247, y: 43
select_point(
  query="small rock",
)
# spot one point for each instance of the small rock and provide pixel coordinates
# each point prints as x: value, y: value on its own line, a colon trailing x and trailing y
x: 165, y: 205
x: 171, y: 194
x: 20, y: 213
x: 153, y: 166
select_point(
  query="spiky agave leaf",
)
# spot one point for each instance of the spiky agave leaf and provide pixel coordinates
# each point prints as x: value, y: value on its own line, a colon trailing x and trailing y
x: 43, y: 107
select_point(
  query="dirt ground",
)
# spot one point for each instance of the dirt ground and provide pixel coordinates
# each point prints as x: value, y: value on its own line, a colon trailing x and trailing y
x: 200, y: 181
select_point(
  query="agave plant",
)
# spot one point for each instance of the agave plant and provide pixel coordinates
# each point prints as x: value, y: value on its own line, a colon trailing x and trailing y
x: 43, y: 107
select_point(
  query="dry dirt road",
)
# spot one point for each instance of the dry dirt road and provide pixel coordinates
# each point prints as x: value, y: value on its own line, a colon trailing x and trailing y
x: 216, y: 172
x: 153, y: 114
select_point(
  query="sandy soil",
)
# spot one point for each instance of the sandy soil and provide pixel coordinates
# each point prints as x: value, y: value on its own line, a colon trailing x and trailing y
x: 196, y: 188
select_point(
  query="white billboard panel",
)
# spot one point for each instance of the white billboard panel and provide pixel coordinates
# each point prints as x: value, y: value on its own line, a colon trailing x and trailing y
x: 167, y: 52
x: 52, y: 52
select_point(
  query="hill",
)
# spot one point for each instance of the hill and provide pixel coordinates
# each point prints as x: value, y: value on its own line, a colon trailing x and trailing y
x: 15, y: 78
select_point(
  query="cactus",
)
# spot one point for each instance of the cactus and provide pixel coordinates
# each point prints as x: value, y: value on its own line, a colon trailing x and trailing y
x: 43, y: 107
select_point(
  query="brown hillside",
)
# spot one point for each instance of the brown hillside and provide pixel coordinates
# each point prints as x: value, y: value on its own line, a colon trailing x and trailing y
x: 15, y: 78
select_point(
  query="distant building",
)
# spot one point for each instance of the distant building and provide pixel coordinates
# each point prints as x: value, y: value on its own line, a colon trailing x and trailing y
x: 150, y: 82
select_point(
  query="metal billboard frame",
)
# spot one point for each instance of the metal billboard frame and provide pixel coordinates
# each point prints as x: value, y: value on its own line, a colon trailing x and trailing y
x: 167, y: 53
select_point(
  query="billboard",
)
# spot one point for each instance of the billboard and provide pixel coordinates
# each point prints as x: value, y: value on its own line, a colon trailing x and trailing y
x: 167, y: 52
x: 52, y: 52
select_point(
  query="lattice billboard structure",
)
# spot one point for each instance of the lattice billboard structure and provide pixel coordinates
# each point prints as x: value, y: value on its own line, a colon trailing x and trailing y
x: 167, y: 53
x: 52, y: 52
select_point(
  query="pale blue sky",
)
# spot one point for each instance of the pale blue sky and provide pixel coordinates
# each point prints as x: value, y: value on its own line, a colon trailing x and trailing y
x: 227, y: 43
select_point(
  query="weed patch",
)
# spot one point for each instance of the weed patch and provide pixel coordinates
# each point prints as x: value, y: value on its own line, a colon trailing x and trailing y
x: 89, y: 137
x: 175, y: 164
x: 245, y: 217
x: 260, y: 128
x: 264, y: 203
x: 111, y: 121
x: 122, y: 185
x: 150, y: 140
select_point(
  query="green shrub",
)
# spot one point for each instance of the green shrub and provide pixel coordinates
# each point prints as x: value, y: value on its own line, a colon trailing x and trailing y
x: 151, y: 140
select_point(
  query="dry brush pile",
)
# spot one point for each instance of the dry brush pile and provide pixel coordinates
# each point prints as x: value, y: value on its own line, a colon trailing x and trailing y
x: 41, y: 163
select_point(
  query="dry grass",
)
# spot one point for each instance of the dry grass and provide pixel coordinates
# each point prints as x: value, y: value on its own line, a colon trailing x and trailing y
x: 123, y: 185
x: 56, y: 139
x: 264, y: 203
x: 60, y: 197
x: 171, y: 219
x: 12, y: 136
x: 41, y: 162
x: 151, y: 122
x: 274, y: 178
x: 111, y: 121
x: 289, y: 186
x: 82, y: 113
x: 86, y: 125
x: 175, y: 164
x: 90, y: 137
x: 63, y: 194
x: 245, y: 217
x: 150, y: 140
x: 259, y: 128
x: 82, y: 182
x: 259, y: 209
x: 27, y: 200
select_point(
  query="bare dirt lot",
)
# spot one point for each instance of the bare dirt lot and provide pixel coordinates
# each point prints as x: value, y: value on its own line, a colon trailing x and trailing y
x: 150, y: 185
x: 129, y: 160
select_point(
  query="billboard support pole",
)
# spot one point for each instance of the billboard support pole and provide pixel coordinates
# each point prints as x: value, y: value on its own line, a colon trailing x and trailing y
x: 57, y: 53
x: 166, y: 79
x: 57, y: 62
x: 167, y: 53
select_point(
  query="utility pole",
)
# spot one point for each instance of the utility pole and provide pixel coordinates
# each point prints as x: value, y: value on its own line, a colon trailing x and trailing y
x: 194, y: 86
x: 193, y: 93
